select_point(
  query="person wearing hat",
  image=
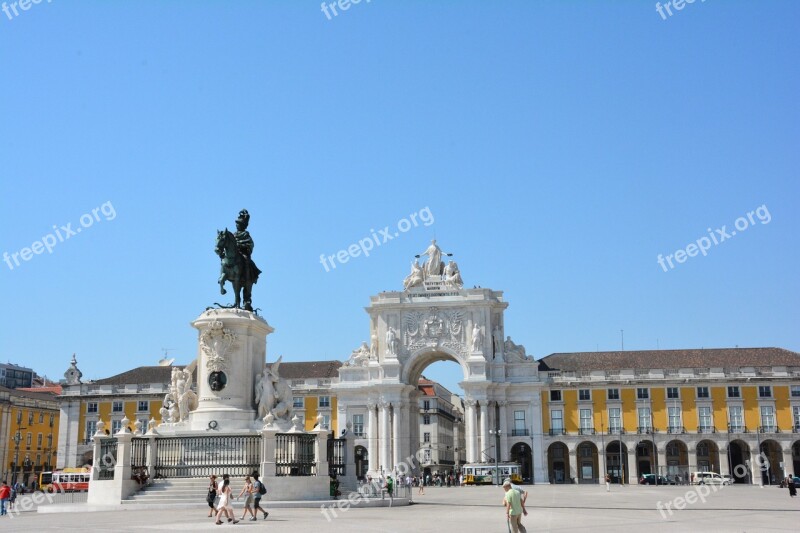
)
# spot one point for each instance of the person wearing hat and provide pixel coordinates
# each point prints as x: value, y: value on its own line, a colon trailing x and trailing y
x: 513, y: 504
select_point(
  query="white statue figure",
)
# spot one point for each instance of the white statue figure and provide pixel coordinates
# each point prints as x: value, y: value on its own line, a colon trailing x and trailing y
x: 416, y: 277
x: 391, y: 342
x: 452, y: 276
x: 477, y: 338
x: 137, y: 427
x: 278, y: 393
x: 497, y: 338
x: 261, y: 389
x: 151, y: 425
x: 173, y: 412
x: 360, y: 356
x: 186, y: 398
x: 166, y: 417
x: 373, y: 347
x: 433, y: 267
x: 514, y: 352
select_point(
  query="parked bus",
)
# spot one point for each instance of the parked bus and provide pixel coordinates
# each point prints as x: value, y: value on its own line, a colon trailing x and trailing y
x: 66, y: 480
x: 484, y: 474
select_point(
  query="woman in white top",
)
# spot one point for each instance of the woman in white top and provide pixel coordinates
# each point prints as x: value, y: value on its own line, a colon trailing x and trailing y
x: 225, y: 502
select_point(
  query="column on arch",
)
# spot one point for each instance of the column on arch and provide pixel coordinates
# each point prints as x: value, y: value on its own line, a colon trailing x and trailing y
x: 573, y: 465
x: 503, y: 414
x: 470, y: 429
x: 372, y: 443
x: 630, y: 475
x: 486, y: 445
x: 383, y: 426
x: 397, y: 434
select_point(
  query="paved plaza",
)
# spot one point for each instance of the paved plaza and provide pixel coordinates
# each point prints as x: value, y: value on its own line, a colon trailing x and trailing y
x: 551, y: 508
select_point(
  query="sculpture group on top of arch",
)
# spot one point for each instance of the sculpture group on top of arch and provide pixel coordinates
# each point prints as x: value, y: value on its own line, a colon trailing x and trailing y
x: 433, y: 269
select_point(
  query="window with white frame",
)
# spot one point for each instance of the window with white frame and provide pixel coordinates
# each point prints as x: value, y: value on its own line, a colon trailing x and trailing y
x: 586, y: 419
x: 143, y: 422
x: 91, y: 407
x: 41, y: 418
x: 116, y: 407
x: 143, y: 406
x: 644, y: 418
x: 796, y: 417
x: 116, y: 425
x: 324, y: 401
x: 702, y: 392
x: 673, y: 393
x: 426, y: 404
x: 326, y: 421
x: 764, y: 391
x: 584, y: 394
x: 50, y: 441
x: 642, y: 393
x: 358, y: 425
x: 519, y: 420
x: 613, y: 394
x: 556, y: 419
x: 298, y: 402
x: 426, y: 419
x: 39, y: 440
x: 426, y: 437
x: 675, y: 418
x: 734, y: 392
x: 736, y: 417
x: 426, y: 456
x: 28, y: 440
x: 91, y: 429
x: 768, y: 417
x: 794, y: 391
x: 555, y: 395
x: 704, y: 418
x: 614, y: 419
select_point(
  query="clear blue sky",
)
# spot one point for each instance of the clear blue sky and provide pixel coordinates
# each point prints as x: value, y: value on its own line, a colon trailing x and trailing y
x: 560, y: 146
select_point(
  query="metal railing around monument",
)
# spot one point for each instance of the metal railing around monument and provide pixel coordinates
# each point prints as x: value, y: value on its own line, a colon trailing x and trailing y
x: 337, y: 457
x: 294, y: 454
x: 108, y: 458
x: 139, y: 452
x: 201, y: 456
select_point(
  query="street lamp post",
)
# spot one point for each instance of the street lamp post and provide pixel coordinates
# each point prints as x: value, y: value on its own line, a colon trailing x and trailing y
x: 17, y: 439
x: 496, y: 433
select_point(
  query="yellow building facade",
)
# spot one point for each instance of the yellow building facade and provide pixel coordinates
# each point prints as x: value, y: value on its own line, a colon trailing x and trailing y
x: 28, y: 434
x: 672, y: 412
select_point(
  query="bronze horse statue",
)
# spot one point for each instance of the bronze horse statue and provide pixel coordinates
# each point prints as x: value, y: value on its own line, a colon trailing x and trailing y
x: 236, y: 268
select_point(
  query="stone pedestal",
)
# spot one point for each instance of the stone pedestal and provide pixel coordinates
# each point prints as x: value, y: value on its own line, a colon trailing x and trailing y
x: 232, y: 351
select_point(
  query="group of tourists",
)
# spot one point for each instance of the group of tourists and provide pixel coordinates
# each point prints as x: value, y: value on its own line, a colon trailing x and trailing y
x: 220, y: 498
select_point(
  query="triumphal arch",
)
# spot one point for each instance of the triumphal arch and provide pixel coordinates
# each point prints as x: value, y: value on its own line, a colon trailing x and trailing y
x: 435, y: 318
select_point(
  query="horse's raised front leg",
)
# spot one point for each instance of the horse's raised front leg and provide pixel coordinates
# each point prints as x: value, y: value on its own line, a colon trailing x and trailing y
x: 222, y: 278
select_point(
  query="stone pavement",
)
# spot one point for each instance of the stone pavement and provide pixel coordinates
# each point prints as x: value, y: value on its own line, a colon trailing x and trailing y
x: 477, y: 509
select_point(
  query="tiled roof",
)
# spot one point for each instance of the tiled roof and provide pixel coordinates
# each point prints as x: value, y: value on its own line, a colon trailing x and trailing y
x: 52, y: 389
x: 670, y: 359
x: 309, y: 369
x: 20, y: 393
x: 139, y: 375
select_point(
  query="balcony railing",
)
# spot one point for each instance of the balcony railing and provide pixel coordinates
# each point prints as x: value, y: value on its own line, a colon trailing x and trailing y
x: 644, y: 430
x: 796, y: 429
x: 519, y: 432
x: 586, y: 431
x: 736, y: 428
x: 616, y: 431
x: 557, y: 431
x: 676, y: 429
x: 706, y: 429
x: 768, y: 429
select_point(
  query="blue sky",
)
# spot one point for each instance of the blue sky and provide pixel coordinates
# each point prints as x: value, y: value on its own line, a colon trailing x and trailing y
x: 560, y: 146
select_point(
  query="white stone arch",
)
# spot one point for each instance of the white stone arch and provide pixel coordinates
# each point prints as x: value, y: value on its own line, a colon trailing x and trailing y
x: 411, y: 368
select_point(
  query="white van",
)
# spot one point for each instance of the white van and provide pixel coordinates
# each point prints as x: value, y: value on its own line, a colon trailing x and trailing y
x: 708, y: 478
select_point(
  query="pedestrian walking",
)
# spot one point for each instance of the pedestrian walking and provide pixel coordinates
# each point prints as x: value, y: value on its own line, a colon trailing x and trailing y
x: 247, y: 490
x: 5, y: 494
x: 211, y: 496
x: 259, y: 490
x: 225, y: 505
x: 513, y: 504
x: 792, y: 486
x: 421, y: 484
x: 608, y: 483
x: 389, y: 486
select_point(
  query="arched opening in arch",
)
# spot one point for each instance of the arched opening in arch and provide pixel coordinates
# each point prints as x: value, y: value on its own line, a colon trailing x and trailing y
x: 677, y: 457
x: 588, y: 467
x: 796, y: 458
x: 521, y: 454
x: 707, y: 453
x: 362, y: 462
x: 617, y: 461
x: 770, y: 463
x: 438, y: 428
x: 645, y: 458
x: 739, y: 456
x: 558, y: 463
